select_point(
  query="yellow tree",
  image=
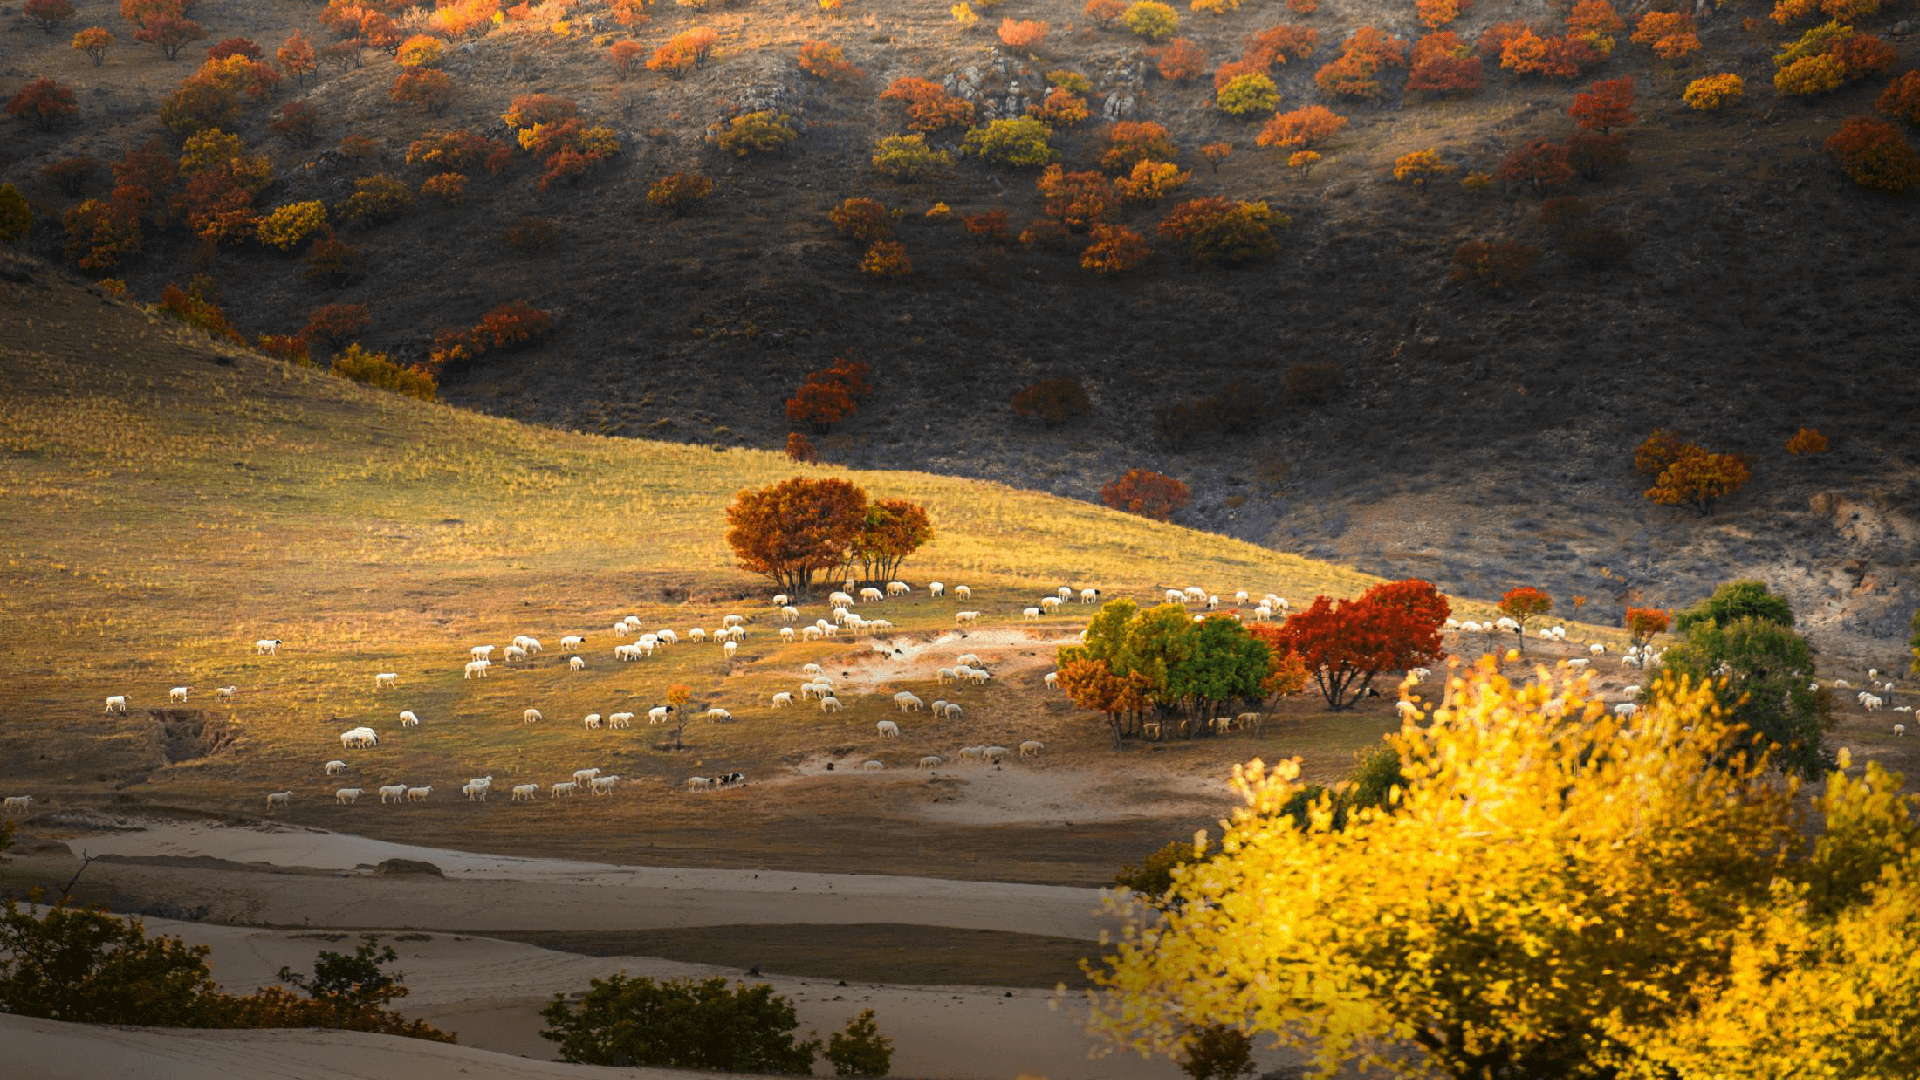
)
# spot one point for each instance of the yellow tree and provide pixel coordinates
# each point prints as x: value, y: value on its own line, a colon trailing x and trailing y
x: 1556, y: 891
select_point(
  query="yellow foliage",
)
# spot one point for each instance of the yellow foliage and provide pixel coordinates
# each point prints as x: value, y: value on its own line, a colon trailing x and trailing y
x: 964, y: 14
x: 1419, y: 166
x: 1714, y: 91
x: 1554, y: 892
x: 288, y: 225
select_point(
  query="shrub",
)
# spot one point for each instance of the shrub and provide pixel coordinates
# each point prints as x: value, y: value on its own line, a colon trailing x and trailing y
x: 1215, y: 153
x: 1438, y: 13
x: 1301, y: 127
x: 1827, y: 56
x: 757, y: 132
x: 1755, y: 668
x: 378, y: 370
x: 287, y: 226
x: 1106, y: 12
x: 825, y: 60
x: 1053, y: 401
x: 359, y: 147
x: 211, y: 97
x: 1549, y: 57
x: 291, y: 347
x: 16, y: 217
x: 530, y: 234
x: 330, y: 324
x: 1699, y: 478
x: 1670, y: 34
x: 511, y: 325
x: 1151, y: 180
x: 1541, y: 164
x: 1594, y: 156
x: 622, y: 54
x: 1027, y: 35
x: 1595, y: 22
x: 1076, y: 200
x: 459, y: 151
x: 1247, y: 95
x: 101, y: 234
x: 42, y: 103
x: 1495, y: 265
x: 821, y: 404
x: 93, y: 41
x: 533, y: 110
x: 1147, y: 493
x: 448, y: 187
x: 908, y: 158
x: 1714, y: 91
x: 1476, y: 182
x: 1060, y: 109
x: 860, y: 1050
x: 377, y: 198
x: 991, y: 225
x: 862, y: 220
x: 196, y: 307
x: 1115, y: 249
x: 1179, y: 59
x: 1657, y: 451
x: 1873, y: 154
x: 1129, y: 142
x: 1019, y: 142
x: 169, y: 33
x: 71, y: 175
x: 1442, y: 64
x: 1215, y: 7
x: 1419, y: 167
x: 296, y: 57
x: 1902, y: 98
x: 297, y: 122
x: 1223, y: 231
x: 683, y: 51
x: 1807, y: 441
x: 1302, y: 162
x: 420, y: 50
x: 429, y: 89
x: 1492, y: 42
x: 1642, y: 624
x: 800, y: 449
x: 1278, y: 44
x: 1151, y: 20
x: 792, y: 531
x: 48, y: 13
x: 886, y: 258
x: 929, y: 107
x: 680, y: 192
x: 1071, y: 81
x: 331, y: 261
x: 1607, y: 104
x: 1355, y: 72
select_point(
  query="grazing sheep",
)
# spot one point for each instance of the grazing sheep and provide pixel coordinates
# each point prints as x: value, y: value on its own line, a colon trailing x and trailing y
x: 871, y: 595
x: 523, y: 792
x: 1631, y: 690
x: 786, y: 633
x: 728, y: 622
x: 581, y: 776
x: 978, y: 676
x: 577, y: 663
x: 1088, y: 596
x: 829, y: 703
x: 571, y: 641
x: 658, y: 714
x: 1032, y: 748
x: 783, y: 699
x: 592, y: 721
x: 274, y: 798
x: 475, y: 791
x: 1625, y: 710
x: 812, y: 633
x: 719, y: 716
x: 1246, y: 719
x: 945, y: 675
x: 993, y: 753
x: 1053, y: 680
x: 563, y: 789
x: 1841, y: 684
x: 335, y: 767
x: 408, y: 719
x: 961, y: 592
x: 395, y: 792
x: 898, y: 588
x: 1899, y: 730
x: 1579, y: 663
x: 930, y: 761
x: 480, y: 652
x: 619, y: 629
x: 1597, y: 649
x: 967, y: 660
x: 1407, y: 710
x: 781, y: 600
x: 178, y: 695
x: 840, y: 599
x: 602, y: 785
x: 267, y: 646
x: 359, y: 738
x: 789, y: 614
x: 1873, y: 703
x: 347, y: 796
x: 1050, y: 604
x: 531, y: 716
x: 1175, y: 596
x: 387, y: 680
x: 973, y: 753
x: 619, y: 720
x: 730, y: 648
x: 530, y: 644
x: 701, y: 783
x: 512, y: 653
x: 908, y: 702
x: 888, y: 729
x: 936, y: 588
x: 419, y: 794
x: 871, y: 765
x: 1064, y: 592
x: 117, y: 703
x: 476, y: 669
x: 951, y: 712
x: 225, y: 693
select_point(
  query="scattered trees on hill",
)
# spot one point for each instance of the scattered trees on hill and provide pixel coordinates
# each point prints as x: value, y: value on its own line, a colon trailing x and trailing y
x: 49, y: 14
x: 42, y: 103
x: 1523, y: 605
x: 831, y: 394
x: 1686, y: 474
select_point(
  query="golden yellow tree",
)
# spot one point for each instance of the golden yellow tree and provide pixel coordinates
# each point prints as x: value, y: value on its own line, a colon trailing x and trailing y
x: 1557, y: 891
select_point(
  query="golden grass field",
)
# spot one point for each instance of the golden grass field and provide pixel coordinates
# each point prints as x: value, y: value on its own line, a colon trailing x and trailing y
x: 165, y: 503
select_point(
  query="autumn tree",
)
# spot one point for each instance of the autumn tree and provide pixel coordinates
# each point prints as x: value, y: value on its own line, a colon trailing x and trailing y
x: 800, y: 449
x: 1872, y: 154
x: 1223, y: 230
x: 42, y: 103
x: 1642, y: 624
x: 1356, y: 71
x: 1346, y: 644
x: 797, y: 529
x: 1807, y: 441
x: 1129, y: 142
x: 1147, y: 493
x: 891, y: 530
x: 1670, y: 34
x: 296, y: 57
x: 1524, y: 604
x: 1053, y: 401
x: 169, y: 33
x: 1092, y: 685
x: 1027, y: 35
x: 1443, y: 64
x: 1699, y: 478
x: 94, y: 41
x: 1537, y: 923
x: 49, y: 14
x: 1540, y: 164
x: 929, y: 107
x: 430, y: 89
x: 1076, y: 199
x: 830, y: 395
x: 1179, y: 60
x: 677, y: 193
x: 1607, y: 104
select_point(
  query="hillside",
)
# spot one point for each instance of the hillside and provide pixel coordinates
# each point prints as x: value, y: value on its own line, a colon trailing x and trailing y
x: 1350, y: 401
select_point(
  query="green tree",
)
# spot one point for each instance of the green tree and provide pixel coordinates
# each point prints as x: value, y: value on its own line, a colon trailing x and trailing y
x: 1761, y: 672
x: 352, y: 980
x: 860, y: 1050
x: 680, y: 1023
x: 1736, y: 600
x: 82, y: 965
x: 1222, y: 663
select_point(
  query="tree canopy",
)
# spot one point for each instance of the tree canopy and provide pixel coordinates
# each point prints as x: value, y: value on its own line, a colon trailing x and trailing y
x: 1163, y: 658
x: 1536, y: 923
x: 1345, y: 644
x: 1761, y: 671
x: 1736, y: 600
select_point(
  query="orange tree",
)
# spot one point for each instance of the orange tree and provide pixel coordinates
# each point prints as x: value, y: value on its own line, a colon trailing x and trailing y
x: 1537, y: 923
x: 1523, y: 604
x: 1147, y: 493
x: 1092, y: 685
x: 1699, y: 478
x: 891, y: 530
x: 1642, y: 623
x: 796, y: 529
x: 1345, y: 644
x: 1608, y: 104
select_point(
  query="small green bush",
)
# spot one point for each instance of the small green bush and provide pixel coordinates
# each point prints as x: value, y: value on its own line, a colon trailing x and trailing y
x: 1151, y: 20
x: 860, y: 1050
x: 908, y: 158
x: 1020, y: 142
x: 16, y: 217
x: 1248, y: 95
x: 375, y: 369
x: 756, y: 132
x: 684, y: 1024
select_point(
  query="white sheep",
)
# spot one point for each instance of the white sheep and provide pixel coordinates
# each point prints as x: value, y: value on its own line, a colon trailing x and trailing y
x: 347, y: 796
x: 480, y: 652
x: 577, y: 662
x: 531, y: 716
x: 951, y: 712
x: 789, y: 614
x: 963, y: 618
x: 1088, y: 596
x: 1579, y: 663
x: 871, y: 595
x: 408, y: 719
x: 1841, y: 684
x: 1407, y: 710
x: 619, y: 720
x: 829, y: 703
x: 1899, y: 730
x: 871, y: 765
x: 993, y: 753
x: 523, y: 792
x: 359, y: 738
x: 225, y: 693
x: 1597, y: 649
x: 592, y: 720
x: 930, y: 761
x: 276, y: 798
x: 571, y: 641
x: 1626, y: 710
x: 117, y: 703
x: 1240, y: 596
x: 701, y: 783
x: 1032, y: 748
x: 267, y: 646
x: 619, y: 629
x: 1175, y: 596
x: 387, y: 680
x: 730, y: 648
x: 967, y: 660
x: 908, y: 702
x: 395, y: 792
x: 178, y: 695
x: 1052, y: 680
x: 1873, y: 703
x: 973, y: 753
x: 419, y: 794
x: 962, y: 592
x: 530, y: 644
x: 783, y: 699
x: 658, y: 714
x: 512, y: 653
x: 840, y: 599
x: 335, y: 767
x: 1450, y: 624
x: 563, y: 789
x: 1195, y: 594
x: 719, y: 716
x: 898, y: 588
x: 602, y: 785
x: 781, y: 600
x: 811, y: 633
x: 581, y: 776
x: 1050, y: 604
x: 786, y: 633
x: 476, y: 669
x: 1630, y: 690
x: 936, y: 588
x: 888, y: 729
x: 978, y: 676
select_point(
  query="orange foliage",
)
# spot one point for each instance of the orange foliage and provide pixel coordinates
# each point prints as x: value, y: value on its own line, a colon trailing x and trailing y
x: 1106, y: 12
x: 862, y: 220
x: 991, y: 225
x: 797, y: 529
x: 1179, y: 59
x: 1529, y: 53
x: 1699, y: 478
x: 929, y: 106
x: 622, y: 54
x: 825, y: 60
x: 1279, y: 44
x: 506, y: 327
x: 1115, y: 249
x: 1438, y: 13
x: 1131, y: 141
x: 680, y: 192
x: 1355, y: 73
x: 430, y: 89
x: 459, y: 151
x: 1807, y: 441
x: 42, y: 103
x: 1643, y: 623
x: 1595, y: 22
x: 1874, y: 155
x: 1902, y: 98
x: 1540, y: 164
x: 1442, y: 63
x: 1025, y: 34
x: 683, y: 51
x: 1346, y: 644
x: 1608, y: 104
x: 1076, y: 200
x: 800, y: 449
x: 1671, y: 34
x: 296, y: 56
x: 458, y: 18
x: 1495, y: 265
x: 886, y: 258
x: 1301, y: 127
x: 1147, y: 493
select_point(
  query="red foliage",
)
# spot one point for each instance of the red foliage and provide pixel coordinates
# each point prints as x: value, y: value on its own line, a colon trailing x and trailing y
x: 1550, y: 57
x: 1345, y: 644
x: 331, y: 324
x: 198, y: 311
x: 296, y: 57
x: 170, y: 33
x: 1147, y: 493
x: 1643, y: 623
x: 1523, y: 605
x: 991, y: 225
x: 71, y: 175
x: 42, y: 103
x: 1076, y: 200
x: 1540, y: 164
x: 929, y: 106
x: 683, y: 51
x: 1492, y: 42
x: 1594, y: 20
x: 1301, y: 127
x: 532, y: 110
x: 1442, y: 63
x: 1609, y: 104
x: 1902, y: 98
x: 297, y: 122
x: 1355, y: 73
x: 48, y: 13
x: 1053, y: 401
x: 284, y: 347
x: 862, y: 220
x: 238, y: 46
x: 622, y: 54
x: 459, y: 151
x: 1179, y: 59
x: 796, y: 529
x: 506, y: 327
x: 800, y: 449
x: 1278, y: 44
x: 825, y: 60
x: 1861, y: 55
x: 831, y: 394
x: 1115, y: 249
x: 1106, y: 12
x: 1874, y: 155
x: 430, y: 89
x: 1222, y: 230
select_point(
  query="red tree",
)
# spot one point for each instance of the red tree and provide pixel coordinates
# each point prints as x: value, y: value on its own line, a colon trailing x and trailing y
x: 1147, y: 493
x: 1054, y: 401
x: 1444, y: 64
x: 1608, y: 105
x: 1540, y: 164
x: 1345, y: 644
x: 48, y: 13
x: 1642, y: 623
x: 170, y: 33
x: 831, y: 394
x: 296, y: 57
x: 238, y: 46
x: 800, y: 449
x: 796, y: 529
x: 42, y: 103
x: 1524, y: 604
x: 1179, y: 59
